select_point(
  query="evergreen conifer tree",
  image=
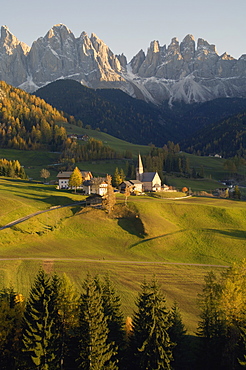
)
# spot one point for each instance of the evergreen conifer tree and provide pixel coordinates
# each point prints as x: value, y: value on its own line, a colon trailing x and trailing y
x: 116, y: 178
x: 115, y: 318
x: 211, y: 327
x: 40, y: 328
x: 122, y: 175
x: 150, y: 343
x: 95, y: 353
x: 11, y: 312
x: 68, y: 304
x: 177, y: 336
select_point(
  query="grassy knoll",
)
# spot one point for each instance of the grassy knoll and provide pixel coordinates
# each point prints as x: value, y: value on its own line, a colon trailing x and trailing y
x: 20, y: 198
x: 134, y: 243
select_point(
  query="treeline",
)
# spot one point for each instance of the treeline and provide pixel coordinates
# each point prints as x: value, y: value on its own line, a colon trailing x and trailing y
x: 93, y: 150
x: 170, y: 160
x: 12, y: 169
x: 27, y: 122
x: 222, y: 325
x: 58, y: 327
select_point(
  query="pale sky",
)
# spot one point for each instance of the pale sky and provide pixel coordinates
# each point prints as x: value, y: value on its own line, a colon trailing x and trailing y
x: 130, y: 25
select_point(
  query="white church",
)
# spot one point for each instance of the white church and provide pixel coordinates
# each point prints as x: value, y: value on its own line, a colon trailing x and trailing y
x: 145, y: 181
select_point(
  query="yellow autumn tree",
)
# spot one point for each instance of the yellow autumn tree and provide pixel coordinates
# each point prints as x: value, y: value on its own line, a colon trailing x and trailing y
x: 75, y: 179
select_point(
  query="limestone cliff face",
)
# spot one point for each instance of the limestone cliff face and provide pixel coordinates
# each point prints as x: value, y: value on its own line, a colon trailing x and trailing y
x: 57, y: 55
x: 13, y: 67
x: 187, y: 71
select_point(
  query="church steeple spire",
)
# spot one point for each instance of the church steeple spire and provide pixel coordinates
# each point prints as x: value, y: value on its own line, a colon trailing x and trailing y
x: 139, y: 169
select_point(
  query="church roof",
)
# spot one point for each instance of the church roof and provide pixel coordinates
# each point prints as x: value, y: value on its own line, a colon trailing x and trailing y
x: 148, y: 176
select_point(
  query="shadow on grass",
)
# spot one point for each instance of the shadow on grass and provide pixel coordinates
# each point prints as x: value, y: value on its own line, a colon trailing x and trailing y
x: 132, y: 225
x: 231, y: 233
x: 26, y: 192
x: 156, y: 237
x: 51, y: 200
x: 15, y: 183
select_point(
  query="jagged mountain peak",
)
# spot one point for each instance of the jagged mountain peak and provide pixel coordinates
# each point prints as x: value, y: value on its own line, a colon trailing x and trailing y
x: 189, y: 38
x: 204, y: 45
x: 187, y: 70
x: 9, y: 42
x: 226, y: 56
x: 59, y: 31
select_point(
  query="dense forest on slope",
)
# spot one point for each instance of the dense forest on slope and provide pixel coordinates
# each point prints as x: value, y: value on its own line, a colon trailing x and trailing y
x: 112, y: 111
x: 135, y: 121
x: 227, y: 138
x: 28, y: 122
x: 196, y: 116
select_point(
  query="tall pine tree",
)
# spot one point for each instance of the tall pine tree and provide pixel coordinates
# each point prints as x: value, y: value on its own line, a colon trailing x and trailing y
x: 177, y: 335
x: 211, y: 327
x: 150, y: 343
x: 11, y: 312
x: 68, y: 304
x: 95, y: 353
x: 40, y: 329
x: 115, y: 318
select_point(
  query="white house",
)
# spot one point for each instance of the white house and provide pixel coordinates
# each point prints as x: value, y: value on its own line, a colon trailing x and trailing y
x: 95, y: 186
x: 64, y: 176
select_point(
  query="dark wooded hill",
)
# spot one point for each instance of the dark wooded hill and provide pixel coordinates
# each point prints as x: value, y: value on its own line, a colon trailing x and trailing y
x: 136, y: 121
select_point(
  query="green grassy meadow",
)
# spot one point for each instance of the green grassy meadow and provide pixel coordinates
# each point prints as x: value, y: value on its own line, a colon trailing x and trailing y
x: 174, y: 240
x: 117, y: 144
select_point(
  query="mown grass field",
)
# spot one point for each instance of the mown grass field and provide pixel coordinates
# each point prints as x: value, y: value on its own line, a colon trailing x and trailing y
x: 173, y: 239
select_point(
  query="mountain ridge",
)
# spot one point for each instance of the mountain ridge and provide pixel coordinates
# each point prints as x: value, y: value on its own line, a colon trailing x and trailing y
x: 178, y: 72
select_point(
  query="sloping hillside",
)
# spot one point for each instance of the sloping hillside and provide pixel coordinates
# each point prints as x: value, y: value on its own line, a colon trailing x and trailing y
x: 112, y: 111
x: 177, y: 240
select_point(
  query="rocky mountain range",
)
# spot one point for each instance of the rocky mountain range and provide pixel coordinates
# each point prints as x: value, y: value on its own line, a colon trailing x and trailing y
x: 187, y: 71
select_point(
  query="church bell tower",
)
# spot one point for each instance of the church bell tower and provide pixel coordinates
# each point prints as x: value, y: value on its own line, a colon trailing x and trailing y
x: 139, y: 169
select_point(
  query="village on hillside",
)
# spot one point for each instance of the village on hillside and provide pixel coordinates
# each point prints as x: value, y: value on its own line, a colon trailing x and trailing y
x: 144, y: 182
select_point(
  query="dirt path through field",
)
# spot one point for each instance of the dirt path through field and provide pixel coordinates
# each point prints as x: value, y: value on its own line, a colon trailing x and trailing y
x: 87, y: 260
x: 22, y: 219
